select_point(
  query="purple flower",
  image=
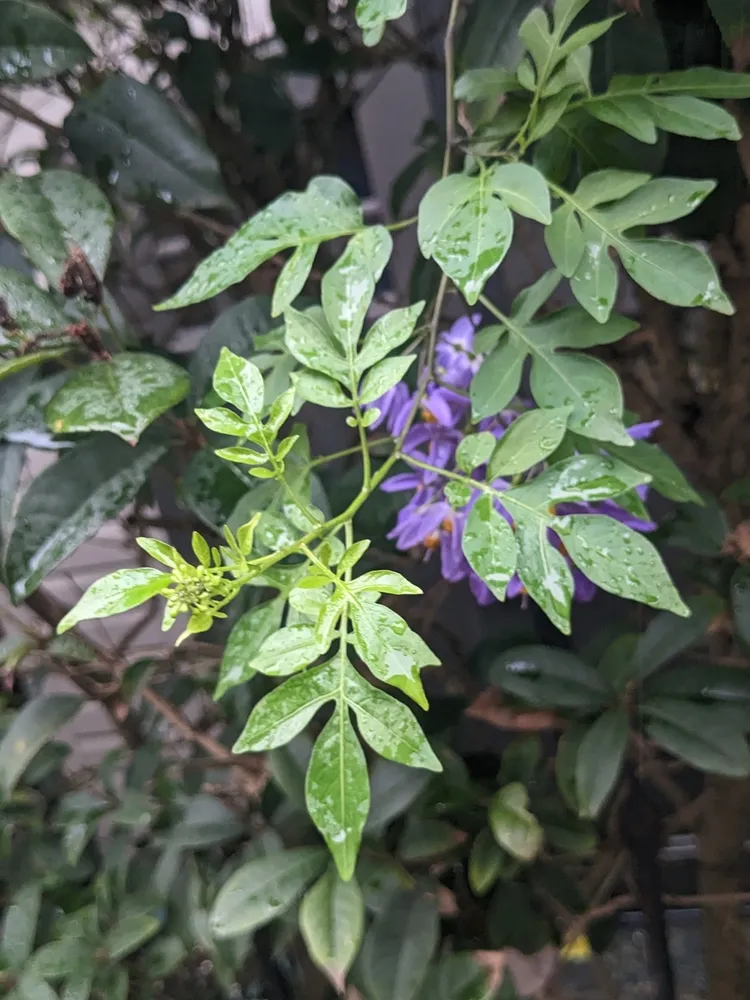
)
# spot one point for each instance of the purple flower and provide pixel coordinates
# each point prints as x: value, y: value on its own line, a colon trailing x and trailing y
x: 390, y: 405
x: 454, y: 353
x: 641, y: 432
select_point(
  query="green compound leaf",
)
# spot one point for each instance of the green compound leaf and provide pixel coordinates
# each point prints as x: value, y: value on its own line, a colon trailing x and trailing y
x: 677, y: 273
x: 337, y: 789
x: 560, y: 378
x: 393, y: 652
x: 326, y: 210
x: 490, y: 546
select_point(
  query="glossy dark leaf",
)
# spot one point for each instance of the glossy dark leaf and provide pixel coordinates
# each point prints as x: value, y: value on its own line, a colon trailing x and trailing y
x: 36, y: 43
x: 264, y: 889
x: 146, y: 146
x: 399, y: 947
x: 70, y: 501
x: 54, y: 211
x: 549, y: 678
x: 35, y: 725
x: 20, y: 923
x: 667, y: 634
x: 710, y: 737
x: 601, y: 752
x: 394, y: 789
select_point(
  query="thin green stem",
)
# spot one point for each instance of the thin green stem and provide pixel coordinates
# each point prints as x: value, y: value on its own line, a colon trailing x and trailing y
x: 395, y: 227
x: 325, y: 570
x: 345, y: 452
x: 450, y: 82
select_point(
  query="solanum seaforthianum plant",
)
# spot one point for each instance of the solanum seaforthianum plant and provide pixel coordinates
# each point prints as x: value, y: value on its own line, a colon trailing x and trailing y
x: 536, y: 492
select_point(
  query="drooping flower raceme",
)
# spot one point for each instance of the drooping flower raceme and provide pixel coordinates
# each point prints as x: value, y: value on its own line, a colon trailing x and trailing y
x: 432, y: 520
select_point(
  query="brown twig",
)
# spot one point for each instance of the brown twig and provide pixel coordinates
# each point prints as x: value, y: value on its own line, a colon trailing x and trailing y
x: 17, y: 110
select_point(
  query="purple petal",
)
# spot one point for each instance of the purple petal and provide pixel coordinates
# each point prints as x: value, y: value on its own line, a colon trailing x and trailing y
x: 585, y: 589
x: 640, y: 432
x: 402, y: 481
x: 482, y: 593
x: 515, y: 587
x: 418, y: 523
x: 453, y: 562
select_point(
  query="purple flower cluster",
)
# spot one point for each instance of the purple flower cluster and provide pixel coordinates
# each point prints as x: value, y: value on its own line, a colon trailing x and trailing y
x: 428, y: 519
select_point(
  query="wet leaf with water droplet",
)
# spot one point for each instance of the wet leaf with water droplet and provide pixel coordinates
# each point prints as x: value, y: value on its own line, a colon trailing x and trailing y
x: 122, y: 396
x: 36, y: 43
x: 337, y: 789
x: 619, y: 560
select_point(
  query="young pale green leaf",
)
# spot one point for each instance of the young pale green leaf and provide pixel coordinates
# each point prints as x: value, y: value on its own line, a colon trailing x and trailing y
x: 545, y: 677
x: 122, y: 396
x: 458, y: 494
x: 244, y: 642
x: 498, y: 380
x: 389, y: 727
x: 19, y: 924
x: 332, y: 922
x: 599, y: 760
x: 487, y: 862
x: 383, y: 376
x: 564, y: 239
x: 119, y: 591
x: 709, y: 737
x: 337, y: 789
x: 466, y: 229
x: 515, y: 829
x: 372, y: 16
x: 619, y: 560
x: 310, y: 340
x: 528, y: 440
x: 322, y: 390
x: 539, y: 41
x: 667, y: 634
x: 386, y: 334
x: 353, y: 554
x: 392, y: 651
x: 36, y: 724
x: 326, y: 210
x: 286, y: 710
x: 474, y: 450
x: 224, y: 421
x: 52, y: 211
x: 293, y: 276
x: 489, y: 546
x: 348, y: 288
x: 239, y: 382
x: 242, y: 456
x: 384, y: 581
x: 263, y: 889
x: 153, y: 149
x: 399, y: 947
x: 586, y: 35
x: 523, y: 189
x: 36, y: 43
x: 565, y: 13
x: 69, y: 501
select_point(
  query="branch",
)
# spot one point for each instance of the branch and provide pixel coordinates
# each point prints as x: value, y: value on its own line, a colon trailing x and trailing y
x: 53, y: 132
